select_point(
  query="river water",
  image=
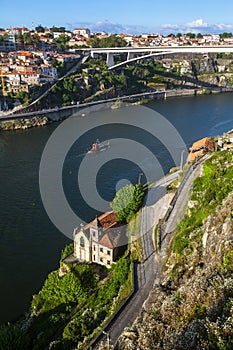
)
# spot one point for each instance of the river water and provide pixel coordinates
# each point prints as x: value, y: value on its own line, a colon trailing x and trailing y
x: 30, y: 244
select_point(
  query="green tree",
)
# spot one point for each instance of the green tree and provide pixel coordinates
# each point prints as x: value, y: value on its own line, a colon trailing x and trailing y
x: 27, y: 39
x: 63, y: 38
x: 127, y: 201
x: 110, y: 41
x: 12, y: 337
x: 226, y: 35
x: 58, y: 29
x: 19, y: 39
x: 178, y: 35
x: 62, y: 41
x: 48, y: 35
x: 40, y: 29
x: 4, y: 37
x: 191, y: 35
x: 199, y: 36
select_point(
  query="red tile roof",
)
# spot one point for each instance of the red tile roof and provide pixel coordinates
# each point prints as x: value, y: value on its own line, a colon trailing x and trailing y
x: 200, y: 147
x: 205, y: 142
x: 106, y: 220
x: 193, y: 156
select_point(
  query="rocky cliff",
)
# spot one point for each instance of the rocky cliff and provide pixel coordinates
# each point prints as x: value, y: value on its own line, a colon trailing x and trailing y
x: 192, y: 306
x: 200, y: 70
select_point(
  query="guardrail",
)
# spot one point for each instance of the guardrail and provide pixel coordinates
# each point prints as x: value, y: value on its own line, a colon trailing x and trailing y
x: 163, y: 222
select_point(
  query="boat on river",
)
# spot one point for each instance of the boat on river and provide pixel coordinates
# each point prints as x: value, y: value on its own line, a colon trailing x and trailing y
x: 99, y: 147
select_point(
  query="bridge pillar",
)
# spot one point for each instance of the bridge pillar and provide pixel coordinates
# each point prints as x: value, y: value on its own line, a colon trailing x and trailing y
x: 94, y: 55
x: 130, y: 55
x: 110, y: 59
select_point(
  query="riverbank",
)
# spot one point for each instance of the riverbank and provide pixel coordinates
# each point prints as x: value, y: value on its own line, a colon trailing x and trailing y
x: 12, y: 122
x: 23, y: 124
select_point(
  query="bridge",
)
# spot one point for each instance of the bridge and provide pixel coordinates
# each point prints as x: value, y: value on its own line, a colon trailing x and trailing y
x: 147, y: 52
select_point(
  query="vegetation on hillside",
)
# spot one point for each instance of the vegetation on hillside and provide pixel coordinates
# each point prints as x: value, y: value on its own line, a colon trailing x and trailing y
x: 71, y: 305
x: 93, y: 80
x: 192, y: 305
x: 208, y: 192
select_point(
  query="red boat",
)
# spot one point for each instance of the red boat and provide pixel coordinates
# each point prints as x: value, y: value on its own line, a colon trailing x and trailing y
x: 99, y: 146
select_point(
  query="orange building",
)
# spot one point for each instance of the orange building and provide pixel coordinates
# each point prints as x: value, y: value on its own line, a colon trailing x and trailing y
x: 201, y: 147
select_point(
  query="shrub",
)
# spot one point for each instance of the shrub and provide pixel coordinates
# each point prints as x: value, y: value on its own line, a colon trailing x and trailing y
x: 12, y: 337
x: 208, y: 191
x: 127, y: 202
x: 69, y: 249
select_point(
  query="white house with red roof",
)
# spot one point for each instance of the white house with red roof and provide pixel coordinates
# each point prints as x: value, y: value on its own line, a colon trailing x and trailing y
x: 101, y: 241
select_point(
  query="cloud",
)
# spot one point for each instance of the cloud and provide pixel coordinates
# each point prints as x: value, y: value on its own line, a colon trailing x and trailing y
x: 199, y: 25
x: 109, y: 27
x: 196, y: 26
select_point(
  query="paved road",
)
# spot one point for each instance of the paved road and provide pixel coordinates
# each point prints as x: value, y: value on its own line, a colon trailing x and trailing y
x: 148, y: 272
x: 155, y: 206
x: 4, y: 116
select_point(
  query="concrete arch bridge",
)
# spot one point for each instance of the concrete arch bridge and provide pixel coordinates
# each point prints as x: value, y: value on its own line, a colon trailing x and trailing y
x: 147, y: 52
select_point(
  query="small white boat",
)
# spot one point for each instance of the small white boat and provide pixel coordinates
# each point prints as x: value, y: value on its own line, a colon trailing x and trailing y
x: 99, y: 146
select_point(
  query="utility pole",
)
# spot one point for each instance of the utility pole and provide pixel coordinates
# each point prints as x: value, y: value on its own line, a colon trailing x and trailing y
x: 139, y: 178
x: 182, y: 159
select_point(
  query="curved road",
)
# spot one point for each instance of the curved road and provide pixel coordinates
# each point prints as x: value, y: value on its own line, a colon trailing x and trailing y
x: 155, y: 206
x: 149, y: 271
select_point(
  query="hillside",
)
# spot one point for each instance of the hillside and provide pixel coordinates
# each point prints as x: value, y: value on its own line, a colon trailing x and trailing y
x: 192, y: 306
x: 93, y: 81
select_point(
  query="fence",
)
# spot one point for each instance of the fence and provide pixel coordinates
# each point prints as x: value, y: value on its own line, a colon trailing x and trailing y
x: 163, y: 222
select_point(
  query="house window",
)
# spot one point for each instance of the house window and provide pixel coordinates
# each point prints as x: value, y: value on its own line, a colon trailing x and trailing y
x: 108, y: 252
x: 94, y: 257
x: 101, y: 250
x: 108, y: 262
x: 101, y: 259
x: 82, y: 243
x: 93, y: 233
x: 94, y: 247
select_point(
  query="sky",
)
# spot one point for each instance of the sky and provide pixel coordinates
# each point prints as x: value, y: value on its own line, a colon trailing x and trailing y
x: 121, y: 16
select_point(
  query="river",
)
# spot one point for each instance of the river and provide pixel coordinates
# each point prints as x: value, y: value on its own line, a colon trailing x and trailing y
x: 30, y: 245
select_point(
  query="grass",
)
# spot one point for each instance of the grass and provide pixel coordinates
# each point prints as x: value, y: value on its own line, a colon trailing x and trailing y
x: 208, y: 192
x: 156, y: 236
x: 133, y: 233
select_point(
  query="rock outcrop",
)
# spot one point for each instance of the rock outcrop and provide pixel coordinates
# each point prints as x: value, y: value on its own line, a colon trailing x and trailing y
x: 22, y: 124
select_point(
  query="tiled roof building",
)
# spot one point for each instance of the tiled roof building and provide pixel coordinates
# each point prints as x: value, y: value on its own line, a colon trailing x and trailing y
x: 101, y: 241
x: 201, y: 147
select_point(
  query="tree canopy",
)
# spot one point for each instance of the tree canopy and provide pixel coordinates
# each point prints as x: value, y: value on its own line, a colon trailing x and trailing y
x: 226, y: 35
x: 127, y: 201
x: 110, y: 41
x: 191, y: 35
x: 40, y: 29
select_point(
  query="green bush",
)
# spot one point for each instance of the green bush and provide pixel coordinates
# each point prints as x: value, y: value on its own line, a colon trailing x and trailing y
x: 127, y: 202
x: 69, y: 249
x: 71, y: 288
x: 12, y: 338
